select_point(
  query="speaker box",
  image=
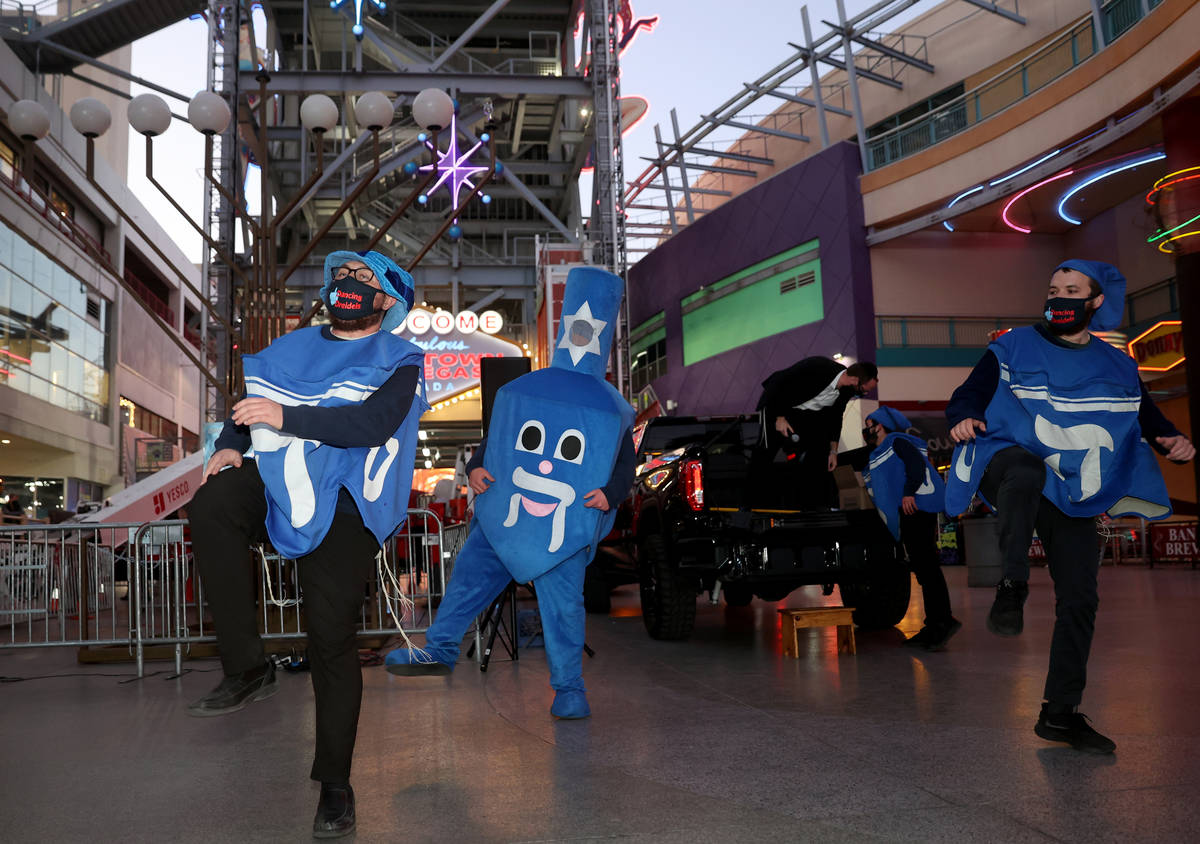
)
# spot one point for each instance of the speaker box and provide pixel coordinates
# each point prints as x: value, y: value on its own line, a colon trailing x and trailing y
x: 494, y: 373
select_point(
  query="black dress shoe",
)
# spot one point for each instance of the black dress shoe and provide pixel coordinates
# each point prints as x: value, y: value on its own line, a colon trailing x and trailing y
x: 941, y: 633
x: 233, y: 693
x: 335, y: 812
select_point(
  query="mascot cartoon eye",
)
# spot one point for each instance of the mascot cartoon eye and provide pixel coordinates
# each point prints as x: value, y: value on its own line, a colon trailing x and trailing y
x: 532, y: 437
x: 570, y: 446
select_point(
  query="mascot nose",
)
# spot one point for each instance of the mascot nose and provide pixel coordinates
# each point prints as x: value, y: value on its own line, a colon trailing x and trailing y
x: 545, y: 466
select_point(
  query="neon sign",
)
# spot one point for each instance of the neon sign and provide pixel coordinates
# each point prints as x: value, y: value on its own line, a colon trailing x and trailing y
x: 421, y: 322
x: 1159, y: 348
x: 453, y: 167
x: 1103, y: 174
x: 452, y: 361
x: 1168, y: 237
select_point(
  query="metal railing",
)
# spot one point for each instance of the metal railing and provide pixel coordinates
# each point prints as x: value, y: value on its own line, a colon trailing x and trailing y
x: 1010, y: 86
x: 940, y: 332
x: 135, y: 586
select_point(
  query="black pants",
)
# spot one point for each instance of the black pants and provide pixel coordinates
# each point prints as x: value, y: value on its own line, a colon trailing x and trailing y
x: 227, y: 517
x: 1013, y: 484
x: 918, y: 533
x: 804, y: 480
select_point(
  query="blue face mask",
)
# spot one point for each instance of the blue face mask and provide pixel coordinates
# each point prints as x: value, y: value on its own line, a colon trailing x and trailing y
x: 1067, y: 316
x: 350, y: 299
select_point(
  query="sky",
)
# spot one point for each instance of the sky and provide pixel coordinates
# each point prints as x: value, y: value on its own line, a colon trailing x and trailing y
x: 697, y: 56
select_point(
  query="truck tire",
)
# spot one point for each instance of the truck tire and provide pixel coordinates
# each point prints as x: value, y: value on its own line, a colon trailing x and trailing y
x: 597, y: 597
x: 737, y: 594
x: 668, y: 603
x: 880, y: 599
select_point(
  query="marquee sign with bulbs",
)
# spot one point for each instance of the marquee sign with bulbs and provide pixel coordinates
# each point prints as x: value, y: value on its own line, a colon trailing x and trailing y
x: 454, y: 345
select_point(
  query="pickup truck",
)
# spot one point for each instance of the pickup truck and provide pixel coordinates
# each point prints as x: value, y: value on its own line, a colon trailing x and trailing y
x: 683, y: 533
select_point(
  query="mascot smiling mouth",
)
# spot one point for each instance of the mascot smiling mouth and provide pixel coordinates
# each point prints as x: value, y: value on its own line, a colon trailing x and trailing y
x: 546, y: 486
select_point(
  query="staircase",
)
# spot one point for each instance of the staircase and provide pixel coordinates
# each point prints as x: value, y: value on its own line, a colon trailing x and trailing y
x: 92, y: 29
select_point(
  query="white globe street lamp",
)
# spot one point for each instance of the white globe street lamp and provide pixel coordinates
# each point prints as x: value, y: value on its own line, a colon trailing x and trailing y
x: 208, y: 113
x: 318, y: 113
x: 433, y: 109
x: 90, y: 117
x: 149, y: 115
x: 29, y: 119
x: 374, y: 110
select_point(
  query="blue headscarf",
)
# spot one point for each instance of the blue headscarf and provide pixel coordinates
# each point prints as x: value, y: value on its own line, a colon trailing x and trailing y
x: 891, y: 419
x: 1112, y: 285
x: 395, y: 282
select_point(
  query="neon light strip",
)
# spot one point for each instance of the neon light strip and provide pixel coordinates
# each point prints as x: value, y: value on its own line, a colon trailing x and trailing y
x: 15, y: 357
x: 1163, y: 247
x: 1011, y: 202
x: 1161, y: 186
x: 1091, y: 180
x: 962, y: 195
x: 1168, y: 231
x: 1170, y: 176
x: 1045, y: 157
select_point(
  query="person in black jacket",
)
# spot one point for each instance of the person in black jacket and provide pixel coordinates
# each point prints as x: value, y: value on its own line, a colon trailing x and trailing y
x: 801, y: 409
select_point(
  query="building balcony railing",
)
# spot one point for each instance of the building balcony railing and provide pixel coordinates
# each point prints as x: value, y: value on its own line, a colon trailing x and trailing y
x: 893, y: 332
x: 1031, y: 74
x: 152, y: 301
x: 40, y: 203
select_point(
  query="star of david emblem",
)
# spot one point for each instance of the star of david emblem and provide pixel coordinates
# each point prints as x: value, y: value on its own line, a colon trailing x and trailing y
x: 581, y: 333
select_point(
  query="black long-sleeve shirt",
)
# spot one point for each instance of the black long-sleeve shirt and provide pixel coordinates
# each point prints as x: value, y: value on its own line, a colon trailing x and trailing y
x: 971, y: 399
x: 619, y: 482
x: 914, y: 464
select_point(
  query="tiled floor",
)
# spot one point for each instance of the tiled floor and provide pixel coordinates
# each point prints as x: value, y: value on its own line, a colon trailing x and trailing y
x: 717, y: 739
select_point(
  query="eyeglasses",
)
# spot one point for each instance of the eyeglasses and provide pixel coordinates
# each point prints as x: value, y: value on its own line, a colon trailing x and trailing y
x: 362, y: 274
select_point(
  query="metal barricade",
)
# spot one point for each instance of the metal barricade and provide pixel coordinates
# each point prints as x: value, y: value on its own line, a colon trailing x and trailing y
x: 135, y: 585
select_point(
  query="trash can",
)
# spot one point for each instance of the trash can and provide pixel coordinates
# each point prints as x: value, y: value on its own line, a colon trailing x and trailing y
x: 981, y: 538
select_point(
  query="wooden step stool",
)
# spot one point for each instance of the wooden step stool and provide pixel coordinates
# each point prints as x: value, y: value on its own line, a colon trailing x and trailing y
x: 793, y: 620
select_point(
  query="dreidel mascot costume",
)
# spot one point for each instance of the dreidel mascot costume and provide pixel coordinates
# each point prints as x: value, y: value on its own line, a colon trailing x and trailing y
x: 556, y: 434
x: 332, y: 412
x: 1054, y: 426
x: 908, y: 494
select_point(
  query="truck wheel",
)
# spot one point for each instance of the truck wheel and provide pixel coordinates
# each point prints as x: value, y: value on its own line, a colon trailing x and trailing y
x: 880, y: 599
x: 668, y: 603
x: 737, y: 595
x: 597, y: 597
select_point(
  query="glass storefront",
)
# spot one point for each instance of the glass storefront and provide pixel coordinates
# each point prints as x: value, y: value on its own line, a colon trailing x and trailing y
x: 54, y: 331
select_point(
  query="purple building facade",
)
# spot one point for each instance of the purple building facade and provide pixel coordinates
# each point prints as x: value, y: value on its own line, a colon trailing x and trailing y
x: 787, y: 258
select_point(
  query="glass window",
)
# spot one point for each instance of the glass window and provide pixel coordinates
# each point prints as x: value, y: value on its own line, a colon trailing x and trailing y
x: 75, y: 374
x: 21, y: 302
x: 60, y: 323
x: 39, y: 356
x: 58, y: 365
x: 38, y: 318
x: 43, y: 272
x: 18, y: 378
x: 5, y: 286
x: 39, y: 389
x: 77, y: 340
x: 93, y: 345
x: 6, y: 245
x: 62, y: 283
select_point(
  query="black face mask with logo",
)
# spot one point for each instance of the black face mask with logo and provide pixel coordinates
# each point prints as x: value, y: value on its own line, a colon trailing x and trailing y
x: 1067, y: 316
x: 350, y: 299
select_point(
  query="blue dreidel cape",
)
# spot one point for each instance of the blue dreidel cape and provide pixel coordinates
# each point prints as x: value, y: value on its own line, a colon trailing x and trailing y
x: 1076, y: 409
x: 555, y: 435
x: 886, y: 475
x: 303, y: 477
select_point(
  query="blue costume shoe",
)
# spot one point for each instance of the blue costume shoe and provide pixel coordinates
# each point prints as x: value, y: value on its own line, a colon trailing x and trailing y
x: 570, y: 703
x: 406, y: 662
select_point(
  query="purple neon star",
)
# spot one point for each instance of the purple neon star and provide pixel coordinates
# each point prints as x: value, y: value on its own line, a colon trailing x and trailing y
x: 454, y: 167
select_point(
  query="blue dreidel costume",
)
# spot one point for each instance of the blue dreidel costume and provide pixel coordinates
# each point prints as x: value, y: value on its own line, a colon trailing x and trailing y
x: 885, y: 475
x: 555, y: 435
x: 1077, y: 410
x: 303, y: 477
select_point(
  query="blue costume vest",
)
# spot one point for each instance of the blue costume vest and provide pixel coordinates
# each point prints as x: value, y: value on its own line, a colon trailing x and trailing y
x: 885, y: 477
x: 1077, y: 409
x: 303, y: 477
x: 555, y: 435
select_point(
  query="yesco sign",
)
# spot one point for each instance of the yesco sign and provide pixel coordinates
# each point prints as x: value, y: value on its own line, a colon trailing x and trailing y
x: 443, y: 322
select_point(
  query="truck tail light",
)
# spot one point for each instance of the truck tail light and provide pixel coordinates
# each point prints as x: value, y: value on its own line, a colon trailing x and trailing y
x: 692, y: 472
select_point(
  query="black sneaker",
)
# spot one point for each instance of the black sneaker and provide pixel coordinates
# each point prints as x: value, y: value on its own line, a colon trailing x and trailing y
x: 335, y: 812
x: 233, y: 693
x: 941, y: 633
x: 1007, y: 616
x: 1074, y: 729
x: 920, y: 639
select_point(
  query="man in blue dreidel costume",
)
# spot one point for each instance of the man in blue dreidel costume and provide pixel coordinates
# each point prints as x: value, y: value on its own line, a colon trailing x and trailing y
x: 557, y: 460
x: 1055, y: 428
x: 332, y: 414
x: 908, y: 495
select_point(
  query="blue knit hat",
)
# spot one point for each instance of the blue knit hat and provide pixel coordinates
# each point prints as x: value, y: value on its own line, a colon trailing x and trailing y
x: 890, y: 418
x: 1112, y: 285
x: 395, y: 282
